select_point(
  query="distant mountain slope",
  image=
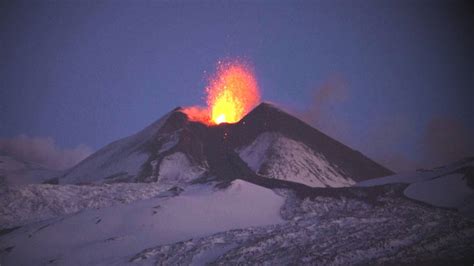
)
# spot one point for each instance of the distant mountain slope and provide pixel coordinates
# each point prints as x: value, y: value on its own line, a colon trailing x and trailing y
x: 16, y: 172
x: 450, y: 186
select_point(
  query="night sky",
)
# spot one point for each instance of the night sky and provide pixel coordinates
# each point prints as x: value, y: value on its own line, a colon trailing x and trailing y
x: 392, y: 79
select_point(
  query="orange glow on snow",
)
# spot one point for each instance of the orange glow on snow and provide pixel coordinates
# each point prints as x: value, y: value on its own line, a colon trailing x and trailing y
x: 232, y: 92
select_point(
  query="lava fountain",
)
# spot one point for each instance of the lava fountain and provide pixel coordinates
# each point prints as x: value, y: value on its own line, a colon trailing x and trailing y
x: 231, y: 93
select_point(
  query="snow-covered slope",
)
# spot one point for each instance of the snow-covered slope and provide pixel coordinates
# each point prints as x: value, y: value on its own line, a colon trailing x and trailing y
x: 157, y: 153
x: 240, y: 224
x: 14, y: 171
x: 451, y: 186
x: 268, y: 138
x: 121, y: 159
x: 110, y: 236
x: 275, y: 156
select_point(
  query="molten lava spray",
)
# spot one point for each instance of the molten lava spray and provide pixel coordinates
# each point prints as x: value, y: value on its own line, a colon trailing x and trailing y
x: 232, y: 92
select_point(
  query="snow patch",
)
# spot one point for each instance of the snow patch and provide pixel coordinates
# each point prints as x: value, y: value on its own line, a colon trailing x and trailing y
x: 176, y: 169
x: 275, y: 156
x: 255, y: 153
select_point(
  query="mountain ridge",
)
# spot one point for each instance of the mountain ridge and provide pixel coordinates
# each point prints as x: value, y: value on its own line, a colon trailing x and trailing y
x: 195, y: 148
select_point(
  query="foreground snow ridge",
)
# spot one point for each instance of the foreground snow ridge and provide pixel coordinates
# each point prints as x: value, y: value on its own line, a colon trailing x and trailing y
x: 20, y: 205
x: 111, y: 235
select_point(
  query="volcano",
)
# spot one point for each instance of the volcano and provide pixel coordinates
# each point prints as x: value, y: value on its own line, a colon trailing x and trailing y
x: 267, y: 143
x: 268, y: 189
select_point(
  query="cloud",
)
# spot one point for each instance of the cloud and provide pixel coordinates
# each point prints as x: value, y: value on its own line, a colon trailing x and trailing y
x: 43, y: 151
x: 446, y: 140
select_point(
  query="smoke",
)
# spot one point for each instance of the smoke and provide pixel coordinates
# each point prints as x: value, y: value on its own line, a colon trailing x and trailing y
x: 325, y: 99
x: 397, y: 162
x: 393, y: 140
x: 380, y: 139
x: 43, y: 151
x: 386, y: 141
x: 333, y: 91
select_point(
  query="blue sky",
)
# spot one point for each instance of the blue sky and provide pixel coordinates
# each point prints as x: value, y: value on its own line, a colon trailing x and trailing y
x: 90, y: 72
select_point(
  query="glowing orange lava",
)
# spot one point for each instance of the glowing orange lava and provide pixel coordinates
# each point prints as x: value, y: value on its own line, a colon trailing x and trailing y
x: 232, y: 92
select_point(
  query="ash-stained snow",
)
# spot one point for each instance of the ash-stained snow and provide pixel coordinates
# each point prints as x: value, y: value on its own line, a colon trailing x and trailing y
x: 274, y: 156
x: 332, y: 231
x: 110, y: 236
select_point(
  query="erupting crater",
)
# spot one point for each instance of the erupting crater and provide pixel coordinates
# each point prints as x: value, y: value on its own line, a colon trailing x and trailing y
x: 231, y: 93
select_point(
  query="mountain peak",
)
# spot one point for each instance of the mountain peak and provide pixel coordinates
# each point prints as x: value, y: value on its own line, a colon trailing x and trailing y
x: 266, y: 117
x: 266, y: 107
x: 265, y: 104
x: 175, y: 148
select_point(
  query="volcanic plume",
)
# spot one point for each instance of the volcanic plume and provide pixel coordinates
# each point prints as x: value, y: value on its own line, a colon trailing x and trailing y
x: 231, y: 93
